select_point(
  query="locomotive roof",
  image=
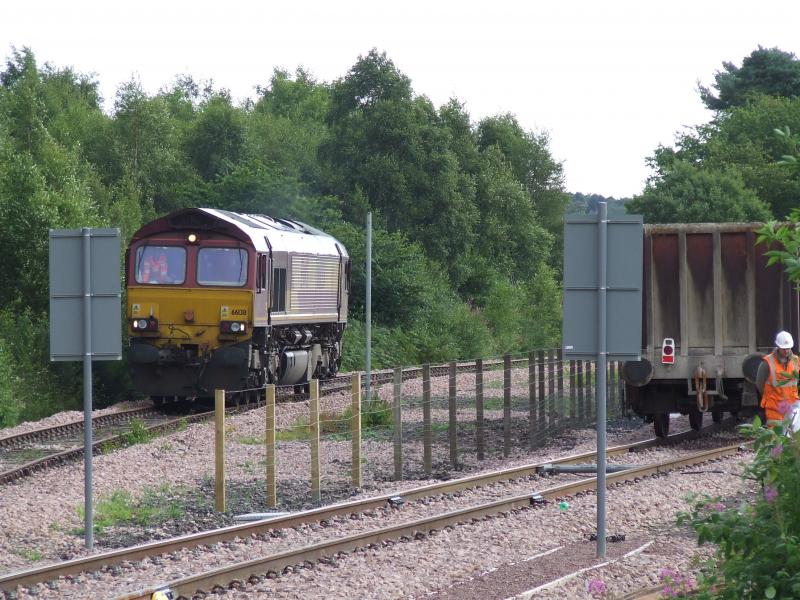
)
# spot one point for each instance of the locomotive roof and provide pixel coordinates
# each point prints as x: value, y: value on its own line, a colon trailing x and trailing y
x: 261, y: 231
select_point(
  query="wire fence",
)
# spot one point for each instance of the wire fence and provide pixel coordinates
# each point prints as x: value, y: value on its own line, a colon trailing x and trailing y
x: 424, y: 422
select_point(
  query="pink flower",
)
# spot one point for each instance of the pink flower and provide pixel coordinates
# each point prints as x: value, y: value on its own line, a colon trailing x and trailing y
x: 665, y: 573
x: 596, y: 587
x: 776, y: 451
x: 770, y: 493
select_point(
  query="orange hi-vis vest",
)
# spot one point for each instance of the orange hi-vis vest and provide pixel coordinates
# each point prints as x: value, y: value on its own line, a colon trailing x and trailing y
x: 155, y: 269
x: 778, y: 396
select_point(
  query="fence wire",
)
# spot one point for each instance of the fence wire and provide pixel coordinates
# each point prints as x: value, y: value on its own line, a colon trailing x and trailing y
x: 425, y: 422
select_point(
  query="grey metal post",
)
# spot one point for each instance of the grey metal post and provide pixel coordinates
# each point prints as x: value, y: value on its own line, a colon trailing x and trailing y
x: 600, y: 380
x: 87, y: 387
x: 369, y: 307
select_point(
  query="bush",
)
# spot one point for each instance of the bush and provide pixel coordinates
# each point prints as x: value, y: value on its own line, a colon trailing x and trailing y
x: 758, y: 542
x: 9, y: 403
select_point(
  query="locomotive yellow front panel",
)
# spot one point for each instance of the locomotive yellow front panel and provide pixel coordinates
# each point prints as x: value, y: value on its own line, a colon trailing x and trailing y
x: 189, y: 316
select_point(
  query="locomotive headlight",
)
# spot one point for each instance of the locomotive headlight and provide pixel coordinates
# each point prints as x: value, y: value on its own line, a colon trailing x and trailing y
x: 141, y: 324
x: 192, y: 238
x: 235, y: 327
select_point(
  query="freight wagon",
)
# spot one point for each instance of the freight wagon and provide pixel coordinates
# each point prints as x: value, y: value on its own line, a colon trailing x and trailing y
x: 711, y: 309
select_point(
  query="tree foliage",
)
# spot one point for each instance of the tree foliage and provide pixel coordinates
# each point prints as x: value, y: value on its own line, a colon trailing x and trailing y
x: 767, y: 71
x: 466, y: 215
x: 684, y: 193
x: 729, y: 167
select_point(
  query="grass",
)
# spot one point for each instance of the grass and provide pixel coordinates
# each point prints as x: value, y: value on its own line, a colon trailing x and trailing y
x: 251, y: 440
x: 376, y: 419
x: 120, y: 508
x: 31, y: 554
x: 138, y: 434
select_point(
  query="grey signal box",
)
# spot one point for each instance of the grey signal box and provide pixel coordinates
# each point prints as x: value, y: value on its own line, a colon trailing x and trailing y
x: 624, y: 243
x: 67, y: 278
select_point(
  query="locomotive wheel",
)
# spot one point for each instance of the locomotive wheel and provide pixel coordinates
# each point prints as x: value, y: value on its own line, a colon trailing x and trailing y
x: 661, y: 424
x: 716, y: 416
x: 696, y: 419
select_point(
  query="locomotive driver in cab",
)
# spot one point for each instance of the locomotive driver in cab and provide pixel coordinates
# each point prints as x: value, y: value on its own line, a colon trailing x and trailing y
x: 777, y: 379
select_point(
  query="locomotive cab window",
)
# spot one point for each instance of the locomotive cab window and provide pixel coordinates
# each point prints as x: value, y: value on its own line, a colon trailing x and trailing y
x: 160, y: 265
x: 222, y: 266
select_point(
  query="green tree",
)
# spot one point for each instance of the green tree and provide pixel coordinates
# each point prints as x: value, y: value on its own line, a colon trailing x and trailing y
x: 769, y: 71
x: 215, y: 139
x: 685, y: 193
x: 531, y: 162
x: 392, y: 148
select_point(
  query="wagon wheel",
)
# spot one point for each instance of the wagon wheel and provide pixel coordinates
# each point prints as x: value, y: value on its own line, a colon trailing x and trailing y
x: 661, y: 424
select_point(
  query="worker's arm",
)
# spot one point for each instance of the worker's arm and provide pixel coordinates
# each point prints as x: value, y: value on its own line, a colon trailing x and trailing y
x: 761, y: 377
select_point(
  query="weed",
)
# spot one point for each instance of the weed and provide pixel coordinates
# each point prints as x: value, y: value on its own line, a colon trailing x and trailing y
x: 137, y: 435
x: 251, y: 440
x: 31, y: 554
x: 300, y: 430
x: 121, y: 508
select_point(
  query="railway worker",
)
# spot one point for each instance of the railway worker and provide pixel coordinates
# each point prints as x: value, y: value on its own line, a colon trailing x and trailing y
x: 776, y: 380
x: 155, y: 268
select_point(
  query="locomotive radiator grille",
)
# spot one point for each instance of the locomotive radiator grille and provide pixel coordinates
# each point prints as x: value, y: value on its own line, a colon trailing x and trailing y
x: 314, y: 283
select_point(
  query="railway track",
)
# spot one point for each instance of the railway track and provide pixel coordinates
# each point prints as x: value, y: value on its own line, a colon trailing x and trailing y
x: 241, y: 572
x: 27, y: 453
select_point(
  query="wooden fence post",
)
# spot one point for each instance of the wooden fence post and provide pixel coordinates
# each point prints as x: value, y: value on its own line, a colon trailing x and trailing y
x: 314, y: 420
x: 452, y: 427
x: 611, y: 397
x: 573, y: 393
x: 551, y: 389
x: 219, y: 450
x: 355, y: 387
x: 532, y: 400
x: 479, y: 441
x: 506, y: 404
x: 541, y: 400
x: 562, y: 402
x: 427, y: 434
x: 581, y: 394
x: 398, y: 424
x: 272, y: 484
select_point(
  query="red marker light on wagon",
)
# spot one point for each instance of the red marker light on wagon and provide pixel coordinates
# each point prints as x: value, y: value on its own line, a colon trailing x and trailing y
x: 668, y: 351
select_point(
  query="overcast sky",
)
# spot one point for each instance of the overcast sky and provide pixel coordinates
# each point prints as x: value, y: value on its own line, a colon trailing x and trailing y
x: 608, y: 81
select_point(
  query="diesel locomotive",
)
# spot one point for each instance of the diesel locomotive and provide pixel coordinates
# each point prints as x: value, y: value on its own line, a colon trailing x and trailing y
x: 223, y: 300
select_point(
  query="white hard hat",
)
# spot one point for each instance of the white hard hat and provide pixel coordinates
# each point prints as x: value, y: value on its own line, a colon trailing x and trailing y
x: 784, y: 340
